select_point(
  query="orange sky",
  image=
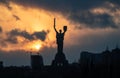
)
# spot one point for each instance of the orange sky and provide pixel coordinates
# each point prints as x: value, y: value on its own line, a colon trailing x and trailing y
x: 31, y: 20
x: 37, y: 19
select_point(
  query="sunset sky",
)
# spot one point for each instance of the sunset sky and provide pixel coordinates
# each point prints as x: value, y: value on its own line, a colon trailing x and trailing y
x: 27, y: 26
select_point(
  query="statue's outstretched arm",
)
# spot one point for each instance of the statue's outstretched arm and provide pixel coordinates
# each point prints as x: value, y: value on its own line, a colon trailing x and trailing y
x: 54, y: 26
x: 64, y: 32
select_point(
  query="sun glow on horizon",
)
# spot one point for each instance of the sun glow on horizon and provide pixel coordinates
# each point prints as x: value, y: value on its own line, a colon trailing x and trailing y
x: 37, y: 46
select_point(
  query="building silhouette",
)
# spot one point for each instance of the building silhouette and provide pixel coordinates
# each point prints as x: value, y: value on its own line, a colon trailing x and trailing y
x: 36, y: 61
x: 107, y: 63
x: 1, y: 64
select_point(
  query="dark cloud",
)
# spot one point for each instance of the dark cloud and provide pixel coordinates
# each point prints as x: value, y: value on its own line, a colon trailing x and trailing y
x: 12, y: 35
x: 2, y: 43
x: 40, y: 35
x: 60, y: 5
x: 3, y: 1
x: 76, y: 10
x: 1, y: 29
x: 115, y: 1
x: 6, y: 3
x: 22, y: 57
x: 16, y: 17
x: 15, y: 58
x: 94, y: 20
x: 12, y: 40
x: 17, y: 32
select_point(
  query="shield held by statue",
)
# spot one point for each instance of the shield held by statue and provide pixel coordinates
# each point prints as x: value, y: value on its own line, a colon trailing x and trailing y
x: 65, y: 28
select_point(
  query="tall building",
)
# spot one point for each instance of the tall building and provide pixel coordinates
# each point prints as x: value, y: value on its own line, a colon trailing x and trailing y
x: 115, y: 59
x: 36, y: 61
x: 106, y: 61
x: 1, y: 64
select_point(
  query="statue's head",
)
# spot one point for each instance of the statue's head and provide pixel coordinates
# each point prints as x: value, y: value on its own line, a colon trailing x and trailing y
x: 60, y: 31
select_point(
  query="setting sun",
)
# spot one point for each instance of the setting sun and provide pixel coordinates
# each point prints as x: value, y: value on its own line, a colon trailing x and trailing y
x: 37, y: 46
x: 34, y: 46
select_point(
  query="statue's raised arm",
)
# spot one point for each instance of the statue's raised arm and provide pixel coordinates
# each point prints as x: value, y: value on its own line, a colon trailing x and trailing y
x: 54, y: 26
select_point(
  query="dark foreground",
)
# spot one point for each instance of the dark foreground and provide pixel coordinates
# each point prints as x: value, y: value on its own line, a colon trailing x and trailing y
x: 102, y: 65
x: 73, y: 71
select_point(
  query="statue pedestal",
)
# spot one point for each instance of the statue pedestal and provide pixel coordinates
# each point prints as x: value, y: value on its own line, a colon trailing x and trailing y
x: 60, y: 60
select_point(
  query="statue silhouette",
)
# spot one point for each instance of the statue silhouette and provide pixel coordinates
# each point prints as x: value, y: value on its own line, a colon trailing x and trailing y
x: 60, y: 37
x: 60, y: 59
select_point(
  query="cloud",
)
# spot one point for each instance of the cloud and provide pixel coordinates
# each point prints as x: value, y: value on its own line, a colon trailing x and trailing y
x: 6, y: 3
x: 115, y: 1
x: 77, y: 11
x: 12, y: 40
x: 2, y: 43
x: 58, y: 5
x: 3, y: 1
x: 16, y: 17
x: 16, y: 32
x: 1, y: 29
x: 10, y: 58
x: 40, y: 35
x: 13, y: 34
x: 94, y: 21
